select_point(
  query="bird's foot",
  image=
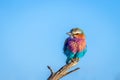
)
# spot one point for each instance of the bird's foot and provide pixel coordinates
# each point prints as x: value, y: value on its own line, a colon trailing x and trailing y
x: 72, y: 60
x: 77, y: 59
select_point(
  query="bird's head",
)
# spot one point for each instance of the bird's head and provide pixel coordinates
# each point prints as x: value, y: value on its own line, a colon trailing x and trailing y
x: 75, y: 32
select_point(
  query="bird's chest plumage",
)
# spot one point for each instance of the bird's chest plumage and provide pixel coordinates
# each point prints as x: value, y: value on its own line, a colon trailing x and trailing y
x: 76, y: 44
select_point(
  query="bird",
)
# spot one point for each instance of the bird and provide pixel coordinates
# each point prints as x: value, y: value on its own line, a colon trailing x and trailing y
x: 75, y: 46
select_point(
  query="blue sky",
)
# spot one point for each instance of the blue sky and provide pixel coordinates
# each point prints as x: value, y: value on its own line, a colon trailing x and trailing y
x: 32, y: 33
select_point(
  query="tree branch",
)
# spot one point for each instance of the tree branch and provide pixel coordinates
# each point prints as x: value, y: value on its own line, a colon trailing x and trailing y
x: 63, y: 71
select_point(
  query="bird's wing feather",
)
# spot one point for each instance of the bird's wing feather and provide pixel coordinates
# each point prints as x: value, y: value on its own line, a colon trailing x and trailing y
x: 65, y: 46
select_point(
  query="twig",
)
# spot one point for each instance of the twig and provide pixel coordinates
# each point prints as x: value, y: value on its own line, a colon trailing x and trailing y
x: 70, y: 72
x: 50, y: 69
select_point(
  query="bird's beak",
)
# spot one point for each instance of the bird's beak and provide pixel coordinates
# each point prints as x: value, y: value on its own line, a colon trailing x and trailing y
x: 69, y: 33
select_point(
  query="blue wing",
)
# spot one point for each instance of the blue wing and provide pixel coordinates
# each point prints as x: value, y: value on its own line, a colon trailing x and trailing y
x: 67, y: 52
x: 70, y: 55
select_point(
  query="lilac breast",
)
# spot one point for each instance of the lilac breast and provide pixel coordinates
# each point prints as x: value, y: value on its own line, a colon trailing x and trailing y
x: 74, y: 44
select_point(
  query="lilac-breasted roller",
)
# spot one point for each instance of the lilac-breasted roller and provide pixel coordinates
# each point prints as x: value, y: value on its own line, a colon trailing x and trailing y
x: 75, y: 45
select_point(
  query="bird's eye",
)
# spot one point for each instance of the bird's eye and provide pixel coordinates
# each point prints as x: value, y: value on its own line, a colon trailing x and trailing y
x: 76, y: 34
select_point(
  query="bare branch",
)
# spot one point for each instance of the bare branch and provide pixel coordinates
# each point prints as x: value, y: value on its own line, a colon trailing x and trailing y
x: 50, y: 69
